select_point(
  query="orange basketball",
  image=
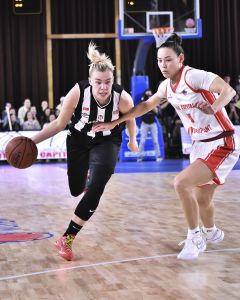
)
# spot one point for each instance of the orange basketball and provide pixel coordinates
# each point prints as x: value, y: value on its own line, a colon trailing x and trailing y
x: 21, y: 152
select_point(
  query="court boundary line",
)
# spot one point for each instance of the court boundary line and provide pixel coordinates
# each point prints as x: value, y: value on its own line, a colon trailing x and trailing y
x: 10, y: 277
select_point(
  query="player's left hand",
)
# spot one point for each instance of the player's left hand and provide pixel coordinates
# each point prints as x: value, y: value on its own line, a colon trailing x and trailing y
x: 205, y: 107
x: 103, y: 126
x: 133, y: 146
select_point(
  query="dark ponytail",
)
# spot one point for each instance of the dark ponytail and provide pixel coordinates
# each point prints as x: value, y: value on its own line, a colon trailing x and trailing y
x: 174, y: 42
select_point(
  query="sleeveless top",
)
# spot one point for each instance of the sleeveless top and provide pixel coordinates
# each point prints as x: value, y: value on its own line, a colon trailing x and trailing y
x: 89, y: 111
x: 183, y: 97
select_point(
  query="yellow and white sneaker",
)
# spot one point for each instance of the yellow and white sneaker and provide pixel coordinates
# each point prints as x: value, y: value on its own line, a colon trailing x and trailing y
x: 64, y: 246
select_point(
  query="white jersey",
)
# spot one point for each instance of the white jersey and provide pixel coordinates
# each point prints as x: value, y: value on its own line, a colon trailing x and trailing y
x: 192, y: 87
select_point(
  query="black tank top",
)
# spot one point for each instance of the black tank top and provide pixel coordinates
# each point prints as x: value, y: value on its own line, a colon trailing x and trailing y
x: 88, y: 111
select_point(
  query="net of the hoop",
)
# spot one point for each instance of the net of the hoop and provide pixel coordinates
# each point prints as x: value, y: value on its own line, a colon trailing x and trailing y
x: 161, y: 34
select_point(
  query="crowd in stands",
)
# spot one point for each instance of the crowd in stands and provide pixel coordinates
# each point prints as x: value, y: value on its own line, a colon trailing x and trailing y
x: 28, y: 116
x: 233, y: 107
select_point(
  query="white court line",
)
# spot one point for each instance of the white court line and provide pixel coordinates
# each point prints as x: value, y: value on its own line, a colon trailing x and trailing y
x: 104, y: 264
x: 226, y: 201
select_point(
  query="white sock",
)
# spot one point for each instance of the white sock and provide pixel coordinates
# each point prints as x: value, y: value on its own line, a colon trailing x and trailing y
x: 209, y: 229
x: 193, y: 232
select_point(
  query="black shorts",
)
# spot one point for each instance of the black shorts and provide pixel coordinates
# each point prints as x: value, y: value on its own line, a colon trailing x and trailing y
x: 84, y: 151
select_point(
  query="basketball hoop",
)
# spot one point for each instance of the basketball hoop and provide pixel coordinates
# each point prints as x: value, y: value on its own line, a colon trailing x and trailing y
x: 161, y: 34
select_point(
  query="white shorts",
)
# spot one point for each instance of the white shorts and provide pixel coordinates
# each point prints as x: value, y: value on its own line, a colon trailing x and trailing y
x: 220, y: 155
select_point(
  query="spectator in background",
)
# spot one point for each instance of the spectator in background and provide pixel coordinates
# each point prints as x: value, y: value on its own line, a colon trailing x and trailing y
x: 168, y: 117
x: 23, y: 110
x: 233, y: 110
x: 30, y: 123
x: 227, y: 78
x: 16, y: 126
x: 57, y: 112
x: 33, y: 110
x: 45, y: 116
x: 52, y: 117
x: 12, y: 111
x: 8, y: 106
x: 176, y: 131
x: 41, y: 115
x: 238, y: 101
x: 237, y: 86
x: 149, y: 124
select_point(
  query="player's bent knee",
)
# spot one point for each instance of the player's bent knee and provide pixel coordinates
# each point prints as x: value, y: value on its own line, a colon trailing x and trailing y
x: 76, y: 187
x: 180, y: 183
x: 75, y: 193
x: 204, y: 202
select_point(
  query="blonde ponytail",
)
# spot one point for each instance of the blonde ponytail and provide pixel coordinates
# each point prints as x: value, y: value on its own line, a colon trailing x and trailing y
x: 99, y: 62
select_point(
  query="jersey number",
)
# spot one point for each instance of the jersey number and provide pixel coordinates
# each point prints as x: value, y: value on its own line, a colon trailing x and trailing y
x: 190, y: 118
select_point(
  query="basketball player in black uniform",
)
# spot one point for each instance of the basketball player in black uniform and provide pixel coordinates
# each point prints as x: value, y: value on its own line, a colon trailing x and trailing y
x: 91, y: 157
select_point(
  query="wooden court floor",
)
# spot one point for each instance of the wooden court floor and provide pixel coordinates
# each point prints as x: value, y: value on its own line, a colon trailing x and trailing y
x: 126, y: 251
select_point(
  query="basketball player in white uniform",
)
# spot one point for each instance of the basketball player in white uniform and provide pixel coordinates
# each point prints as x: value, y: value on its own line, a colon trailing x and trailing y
x: 199, y: 98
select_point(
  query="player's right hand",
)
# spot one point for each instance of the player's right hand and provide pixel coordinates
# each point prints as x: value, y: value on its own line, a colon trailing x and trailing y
x: 205, y: 107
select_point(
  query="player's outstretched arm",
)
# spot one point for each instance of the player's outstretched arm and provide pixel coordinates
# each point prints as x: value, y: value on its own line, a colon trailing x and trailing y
x: 137, y: 111
x: 69, y: 105
x: 125, y: 104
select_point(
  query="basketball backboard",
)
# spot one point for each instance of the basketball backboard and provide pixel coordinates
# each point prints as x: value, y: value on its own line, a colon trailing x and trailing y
x: 138, y: 17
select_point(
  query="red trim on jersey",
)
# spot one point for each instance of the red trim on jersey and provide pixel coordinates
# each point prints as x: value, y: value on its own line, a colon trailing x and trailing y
x: 177, y: 83
x: 222, y: 120
x: 210, y: 98
x: 217, y: 156
x: 191, y: 88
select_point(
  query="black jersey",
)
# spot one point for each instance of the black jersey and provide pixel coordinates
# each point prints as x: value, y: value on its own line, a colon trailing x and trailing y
x: 149, y: 117
x: 88, y: 111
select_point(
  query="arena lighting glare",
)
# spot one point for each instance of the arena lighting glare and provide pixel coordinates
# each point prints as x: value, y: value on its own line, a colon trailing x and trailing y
x: 27, y: 7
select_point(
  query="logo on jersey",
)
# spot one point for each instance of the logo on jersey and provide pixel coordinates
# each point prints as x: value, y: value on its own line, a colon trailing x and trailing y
x: 192, y: 130
x: 184, y: 92
x: 185, y: 106
x: 85, y: 115
x: 85, y: 108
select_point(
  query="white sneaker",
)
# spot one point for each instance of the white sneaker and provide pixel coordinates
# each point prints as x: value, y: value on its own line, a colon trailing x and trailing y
x: 192, y: 248
x: 213, y: 236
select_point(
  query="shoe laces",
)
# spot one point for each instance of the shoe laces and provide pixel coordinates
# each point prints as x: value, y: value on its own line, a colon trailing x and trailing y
x: 68, y: 242
x: 212, y: 234
x: 189, y: 242
x: 183, y: 242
